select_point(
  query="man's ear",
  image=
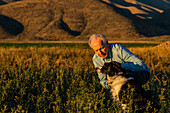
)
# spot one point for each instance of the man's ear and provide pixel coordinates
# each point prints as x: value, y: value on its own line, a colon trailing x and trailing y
x: 108, y: 45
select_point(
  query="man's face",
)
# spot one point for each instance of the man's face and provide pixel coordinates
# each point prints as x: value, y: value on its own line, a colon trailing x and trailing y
x: 100, y: 48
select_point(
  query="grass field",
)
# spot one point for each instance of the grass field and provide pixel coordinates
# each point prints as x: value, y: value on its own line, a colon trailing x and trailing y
x: 72, y: 45
x: 61, y: 78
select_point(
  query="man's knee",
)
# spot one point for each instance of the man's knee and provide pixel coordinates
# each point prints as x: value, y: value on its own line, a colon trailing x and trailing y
x: 141, y: 77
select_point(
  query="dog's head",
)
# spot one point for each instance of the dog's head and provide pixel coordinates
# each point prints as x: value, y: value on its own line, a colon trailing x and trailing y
x: 110, y: 68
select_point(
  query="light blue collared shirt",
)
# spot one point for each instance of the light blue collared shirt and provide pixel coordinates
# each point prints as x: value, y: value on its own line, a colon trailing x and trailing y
x: 120, y: 54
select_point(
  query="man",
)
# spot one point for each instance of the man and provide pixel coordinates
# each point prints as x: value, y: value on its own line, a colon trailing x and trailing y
x: 105, y: 52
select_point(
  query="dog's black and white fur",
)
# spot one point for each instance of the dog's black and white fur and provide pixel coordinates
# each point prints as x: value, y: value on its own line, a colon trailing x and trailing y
x: 120, y: 83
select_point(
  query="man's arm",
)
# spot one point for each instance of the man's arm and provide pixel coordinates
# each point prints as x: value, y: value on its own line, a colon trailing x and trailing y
x: 134, y: 65
x: 103, y: 77
x: 103, y: 80
x: 130, y: 61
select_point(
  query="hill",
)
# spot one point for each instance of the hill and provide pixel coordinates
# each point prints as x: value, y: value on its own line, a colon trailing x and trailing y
x: 163, y: 45
x: 73, y: 20
x: 145, y: 9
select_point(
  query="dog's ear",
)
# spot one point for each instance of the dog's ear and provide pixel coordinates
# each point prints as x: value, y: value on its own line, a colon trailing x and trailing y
x: 103, y: 69
x: 117, y: 66
x: 108, y: 64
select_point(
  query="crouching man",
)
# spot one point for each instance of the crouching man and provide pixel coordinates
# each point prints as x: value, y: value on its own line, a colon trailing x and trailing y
x: 105, y: 52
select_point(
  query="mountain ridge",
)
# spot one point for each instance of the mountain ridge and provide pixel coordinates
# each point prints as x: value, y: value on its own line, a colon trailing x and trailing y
x: 58, y: 20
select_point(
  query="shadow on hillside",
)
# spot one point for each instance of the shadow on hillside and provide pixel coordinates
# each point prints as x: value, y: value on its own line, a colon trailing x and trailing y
x: 10, y: 25
x: 66, y: 28
x: 158, y: 4
x: 2, y: 2
x: 147, y: 8
x: 7, y: 1
x: 146, y: 27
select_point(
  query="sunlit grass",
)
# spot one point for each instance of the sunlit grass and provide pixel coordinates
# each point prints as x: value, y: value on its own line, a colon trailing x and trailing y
x: 72, y: 45
x: 63, y: 79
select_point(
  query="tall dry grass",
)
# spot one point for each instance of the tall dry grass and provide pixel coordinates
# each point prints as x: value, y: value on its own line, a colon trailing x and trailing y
x: 60, y: 79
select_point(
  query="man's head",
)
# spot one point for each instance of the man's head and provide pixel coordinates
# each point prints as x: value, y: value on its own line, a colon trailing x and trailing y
x: 99, y: 44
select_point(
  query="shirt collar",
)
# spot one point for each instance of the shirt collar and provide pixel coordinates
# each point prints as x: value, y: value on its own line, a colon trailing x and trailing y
x: 109, y: 56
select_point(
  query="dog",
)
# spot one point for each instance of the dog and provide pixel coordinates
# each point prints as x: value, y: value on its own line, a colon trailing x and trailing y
x: 122, y: 85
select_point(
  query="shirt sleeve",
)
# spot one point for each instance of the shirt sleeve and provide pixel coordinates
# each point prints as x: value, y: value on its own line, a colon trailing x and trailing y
x: 102, y: 77
x: 103, y: 80
x: 131, y: 61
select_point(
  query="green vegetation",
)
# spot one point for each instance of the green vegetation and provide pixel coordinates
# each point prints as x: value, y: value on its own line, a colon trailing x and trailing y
x: 57, y: 79
x: 74, y: 45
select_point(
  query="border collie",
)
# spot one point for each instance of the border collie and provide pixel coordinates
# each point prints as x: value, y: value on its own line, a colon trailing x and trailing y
x: 124, y: 90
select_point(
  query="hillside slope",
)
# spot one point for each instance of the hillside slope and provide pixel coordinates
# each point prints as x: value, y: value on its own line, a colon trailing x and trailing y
x: 71, y: 20
x: 145, y: 9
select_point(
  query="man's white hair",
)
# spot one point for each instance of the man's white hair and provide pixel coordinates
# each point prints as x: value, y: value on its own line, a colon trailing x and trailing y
x: 102, y: 37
